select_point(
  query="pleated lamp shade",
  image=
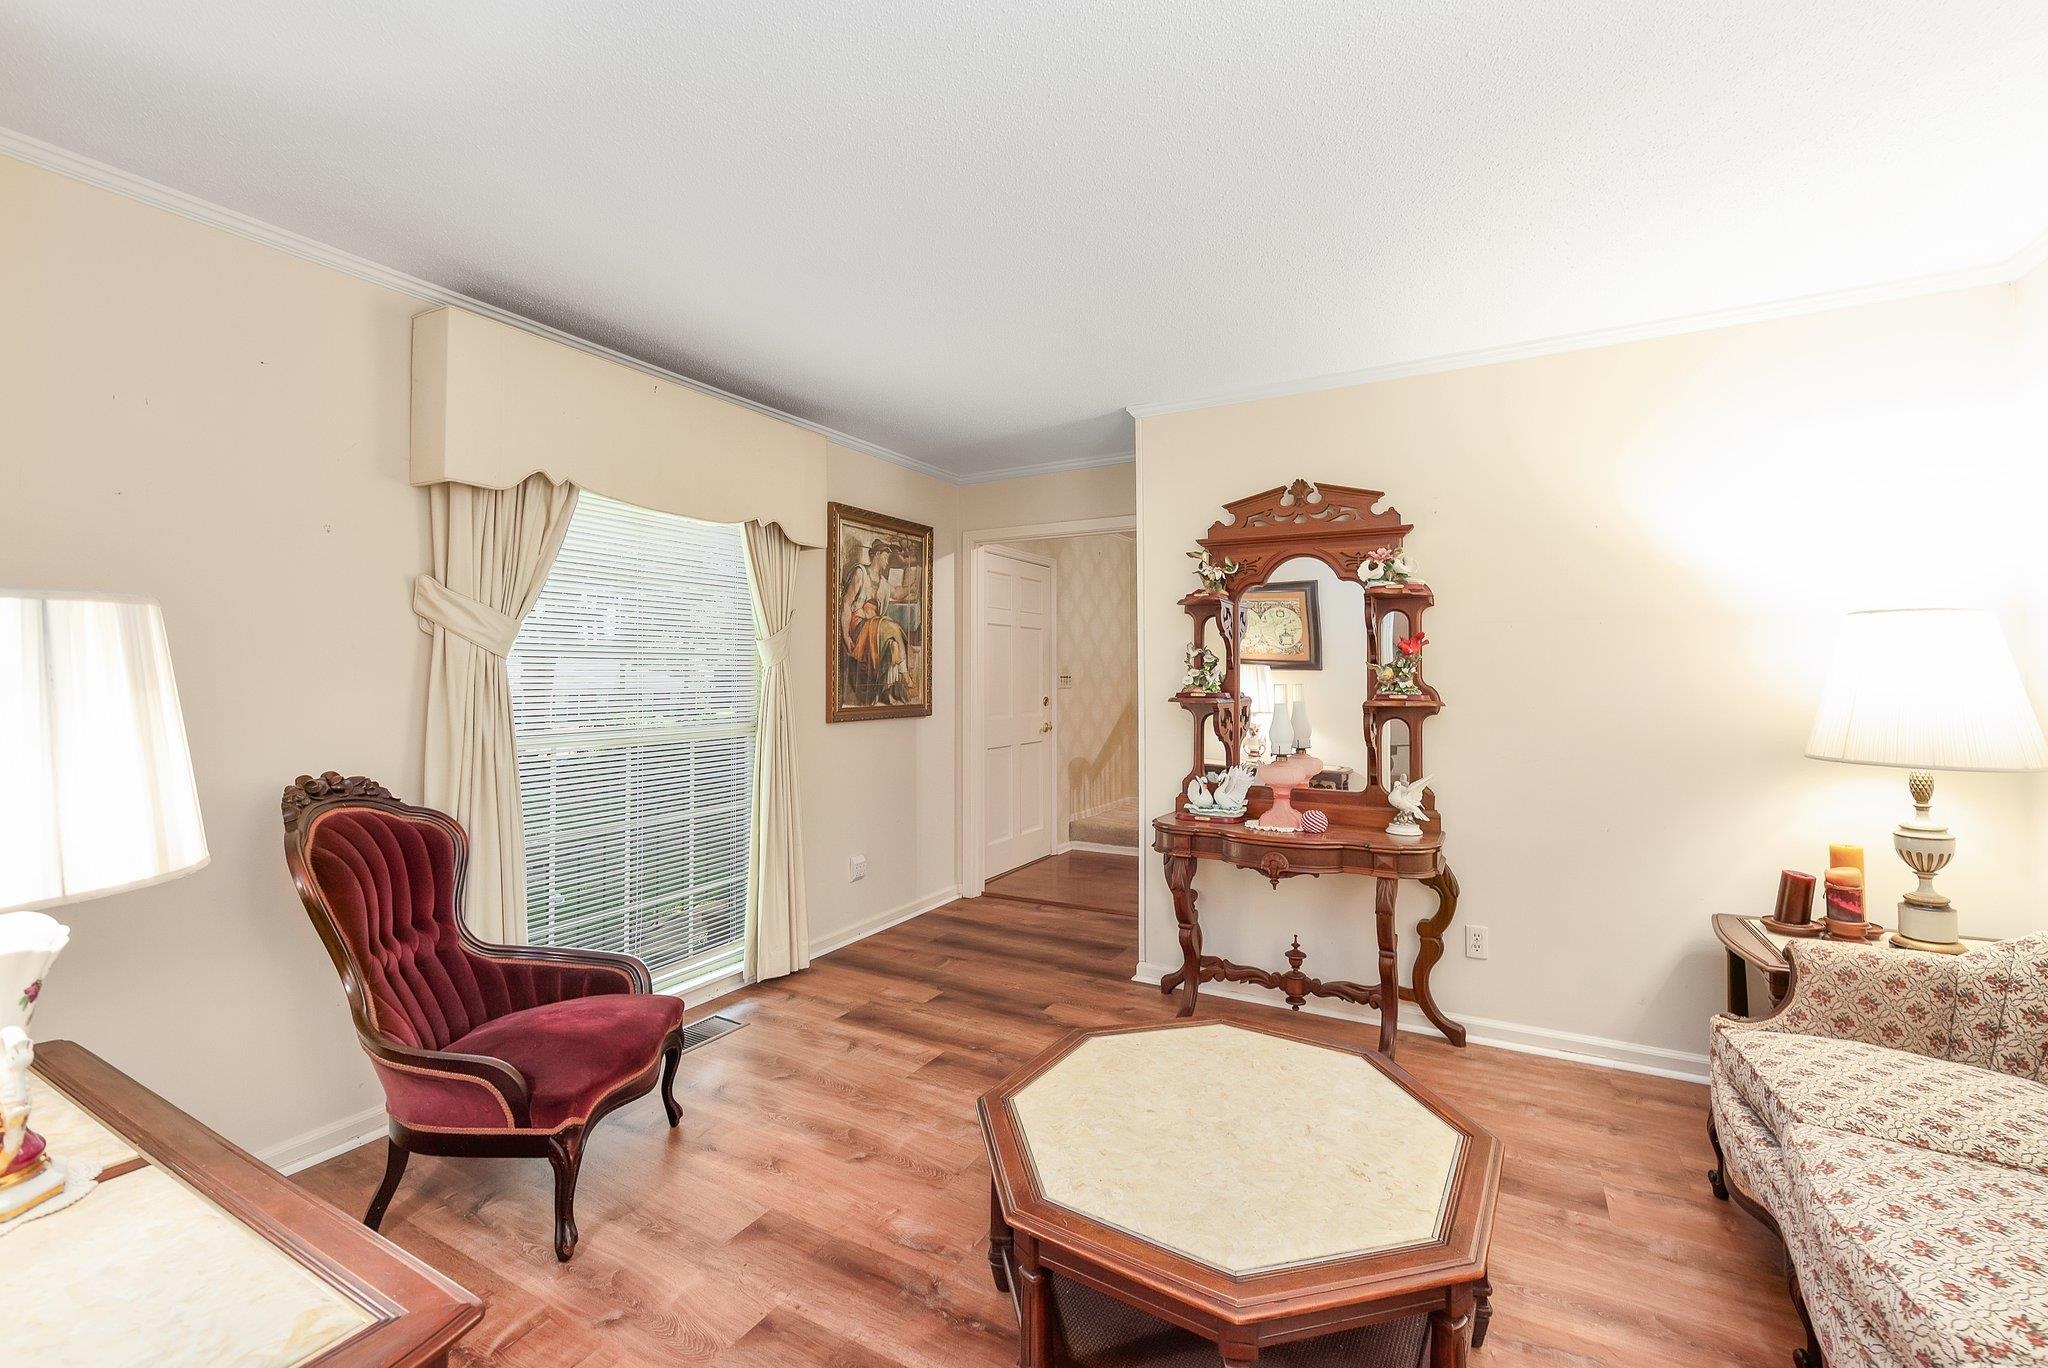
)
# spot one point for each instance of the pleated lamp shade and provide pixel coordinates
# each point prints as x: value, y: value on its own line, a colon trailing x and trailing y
x: 96, y: 791
x: 1926, y: 689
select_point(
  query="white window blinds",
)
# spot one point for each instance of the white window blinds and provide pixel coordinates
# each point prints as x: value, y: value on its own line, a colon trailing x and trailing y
x: 633, y: 700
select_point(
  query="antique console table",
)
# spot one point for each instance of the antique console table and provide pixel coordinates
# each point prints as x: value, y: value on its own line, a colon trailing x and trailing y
x: 1344, y: 530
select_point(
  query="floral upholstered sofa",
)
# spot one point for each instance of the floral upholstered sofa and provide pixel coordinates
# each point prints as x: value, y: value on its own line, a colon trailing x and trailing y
x: 1891, y: 1120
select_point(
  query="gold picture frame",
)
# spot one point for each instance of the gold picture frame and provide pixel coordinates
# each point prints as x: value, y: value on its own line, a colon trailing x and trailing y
x: 878, y: 616
x: 1277, y: 625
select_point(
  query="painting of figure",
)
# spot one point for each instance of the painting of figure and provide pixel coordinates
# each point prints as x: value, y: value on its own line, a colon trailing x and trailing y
x: 879, y: 614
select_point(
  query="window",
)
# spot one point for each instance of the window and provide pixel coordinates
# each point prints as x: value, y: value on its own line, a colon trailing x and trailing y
x: 633, y: 701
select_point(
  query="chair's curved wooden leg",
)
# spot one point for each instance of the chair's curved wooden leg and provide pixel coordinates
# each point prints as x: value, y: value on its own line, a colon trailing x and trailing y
x: 394, y: 1169
x: 565, y: 1154
x: 670, y: 1060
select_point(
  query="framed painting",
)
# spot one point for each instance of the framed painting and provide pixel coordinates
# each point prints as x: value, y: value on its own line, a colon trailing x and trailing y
x: 1278, y: 626
x: 878, y: 614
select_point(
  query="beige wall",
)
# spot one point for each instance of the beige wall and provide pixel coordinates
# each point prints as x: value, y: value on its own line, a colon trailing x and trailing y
x: 1098, y: 492
x: 884, y: 788
x: 188, y: 414
x: 1640, y: 554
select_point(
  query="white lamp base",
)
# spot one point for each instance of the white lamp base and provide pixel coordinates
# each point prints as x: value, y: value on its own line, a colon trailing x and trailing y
x: 1926, y: 920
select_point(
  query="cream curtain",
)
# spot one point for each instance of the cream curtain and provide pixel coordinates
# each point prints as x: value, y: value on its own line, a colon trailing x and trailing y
x: 778, y: 926
x: 492, y: 551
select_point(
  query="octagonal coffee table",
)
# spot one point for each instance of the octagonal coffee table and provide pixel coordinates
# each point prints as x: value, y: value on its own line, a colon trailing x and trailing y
x: 1247, y: 1185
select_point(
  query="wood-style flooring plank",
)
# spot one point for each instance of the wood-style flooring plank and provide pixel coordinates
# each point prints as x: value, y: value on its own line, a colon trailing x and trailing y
x: 825, y: 1199
x: 1079, y: 878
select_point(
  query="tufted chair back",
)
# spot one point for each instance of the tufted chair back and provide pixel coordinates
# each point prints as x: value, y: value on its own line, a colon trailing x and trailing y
x: 384, y: 881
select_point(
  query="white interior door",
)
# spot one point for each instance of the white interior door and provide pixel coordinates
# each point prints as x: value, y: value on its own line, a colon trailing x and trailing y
x: 1014, y: 664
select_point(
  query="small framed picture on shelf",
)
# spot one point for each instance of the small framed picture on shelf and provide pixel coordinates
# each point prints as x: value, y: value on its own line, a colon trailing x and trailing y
x: 1278, y: 626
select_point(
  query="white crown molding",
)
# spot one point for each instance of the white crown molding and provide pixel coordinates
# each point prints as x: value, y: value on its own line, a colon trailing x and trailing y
x: 1115, y: 458
x: 2004, y: 272
x: 36, y: 152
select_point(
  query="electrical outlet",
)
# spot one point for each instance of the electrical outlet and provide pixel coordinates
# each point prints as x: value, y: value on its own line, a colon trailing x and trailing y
x: 1475, y: 942
x: 857, y: 869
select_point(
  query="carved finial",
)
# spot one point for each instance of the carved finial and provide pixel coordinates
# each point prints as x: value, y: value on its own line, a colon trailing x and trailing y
x: 305, y: 791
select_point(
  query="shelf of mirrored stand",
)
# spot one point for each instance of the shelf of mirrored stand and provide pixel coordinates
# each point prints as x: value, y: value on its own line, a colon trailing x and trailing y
x: 1412, y: 589
x: 1411, y: 702
x: 1189, y: 700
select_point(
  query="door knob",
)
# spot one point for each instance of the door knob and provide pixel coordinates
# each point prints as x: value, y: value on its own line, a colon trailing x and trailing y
x: 1045, y: 726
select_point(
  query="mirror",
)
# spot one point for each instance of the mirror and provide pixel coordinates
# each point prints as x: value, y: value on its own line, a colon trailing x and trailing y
x: 1302, y: 640
x: 1396, y: 753
x: 1393, y: 627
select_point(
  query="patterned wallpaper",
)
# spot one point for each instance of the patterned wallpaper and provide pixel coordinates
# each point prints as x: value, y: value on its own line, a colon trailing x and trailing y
x: 1098, y: 652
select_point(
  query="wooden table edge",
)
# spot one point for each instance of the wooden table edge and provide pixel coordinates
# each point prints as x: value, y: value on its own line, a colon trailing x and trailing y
x: 418, y: 1313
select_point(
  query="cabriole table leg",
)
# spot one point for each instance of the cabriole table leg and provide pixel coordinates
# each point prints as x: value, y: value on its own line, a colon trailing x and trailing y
x: 1384, y: 892
x: 1180, y: 879
x: 1431, y: 950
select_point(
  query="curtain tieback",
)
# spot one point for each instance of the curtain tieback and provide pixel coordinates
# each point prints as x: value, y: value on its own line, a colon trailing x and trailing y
x: 476, y: 622
x: 774, y: 649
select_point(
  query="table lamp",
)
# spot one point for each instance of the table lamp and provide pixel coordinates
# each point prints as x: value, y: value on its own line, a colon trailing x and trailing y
x: 97, y: 798
x: 1925, y: 689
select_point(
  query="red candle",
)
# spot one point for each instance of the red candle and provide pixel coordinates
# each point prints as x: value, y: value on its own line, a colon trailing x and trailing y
x: 1795, y: 899
x: 1845, y: 902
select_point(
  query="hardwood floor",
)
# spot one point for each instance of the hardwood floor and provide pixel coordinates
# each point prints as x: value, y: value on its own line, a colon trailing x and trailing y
x: 825, y: 1200
x: 1079, y: 878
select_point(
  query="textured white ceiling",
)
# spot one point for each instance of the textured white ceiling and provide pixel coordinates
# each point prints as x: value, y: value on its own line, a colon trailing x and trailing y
x: 972, y: 232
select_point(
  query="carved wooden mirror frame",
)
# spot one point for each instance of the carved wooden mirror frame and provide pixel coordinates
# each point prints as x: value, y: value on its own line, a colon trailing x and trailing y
x: 1345, y: 529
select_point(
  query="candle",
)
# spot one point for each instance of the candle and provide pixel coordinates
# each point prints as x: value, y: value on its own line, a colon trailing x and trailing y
x: 1845, y: 901
x: 1846, y: 857
x: 1795, y: 899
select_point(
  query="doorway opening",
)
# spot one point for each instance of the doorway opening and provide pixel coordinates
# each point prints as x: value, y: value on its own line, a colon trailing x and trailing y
x: 1050, y: 685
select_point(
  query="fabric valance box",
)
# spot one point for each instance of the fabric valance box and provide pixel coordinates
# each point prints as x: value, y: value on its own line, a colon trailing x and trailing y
x: 493, y: 404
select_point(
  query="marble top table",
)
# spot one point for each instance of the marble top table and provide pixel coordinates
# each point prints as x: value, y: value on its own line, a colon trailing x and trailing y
x: 1243, y: 1183
x: 191, y: 1254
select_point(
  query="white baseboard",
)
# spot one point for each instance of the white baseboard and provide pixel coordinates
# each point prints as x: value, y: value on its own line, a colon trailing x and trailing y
x: 882, y: 921
x: 324, y: 1142
x: 1501, y: 1035
x: 1095, y: 848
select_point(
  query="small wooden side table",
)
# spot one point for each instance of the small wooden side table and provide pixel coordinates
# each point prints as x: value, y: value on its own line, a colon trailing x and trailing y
x: 1749, y: 945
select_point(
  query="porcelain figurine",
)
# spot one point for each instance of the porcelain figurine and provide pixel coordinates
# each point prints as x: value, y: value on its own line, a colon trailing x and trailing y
x: 1224, y: 797
x: 1212, y: 575
x: 1406, y: 797
x: 29, y: 945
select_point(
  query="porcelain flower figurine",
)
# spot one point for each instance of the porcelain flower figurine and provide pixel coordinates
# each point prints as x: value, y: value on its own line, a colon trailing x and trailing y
x: 29, y: 944
x: 1211, y: 574
x: 1406, y: 797
x: 1205, y: 671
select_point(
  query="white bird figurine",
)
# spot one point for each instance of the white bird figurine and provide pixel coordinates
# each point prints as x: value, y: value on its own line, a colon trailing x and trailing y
x: 1406, y: 798
x: 1222, y: 797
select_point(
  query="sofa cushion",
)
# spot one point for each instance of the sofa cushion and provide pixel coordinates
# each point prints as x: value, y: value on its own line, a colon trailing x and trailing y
x: 1947, y: 1258
x: 575, y: 1053
x: 2019, y: 1043
x: 1789, y: 1079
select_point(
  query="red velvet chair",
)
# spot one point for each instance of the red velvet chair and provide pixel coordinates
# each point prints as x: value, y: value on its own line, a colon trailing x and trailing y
x: 482, y: 1049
